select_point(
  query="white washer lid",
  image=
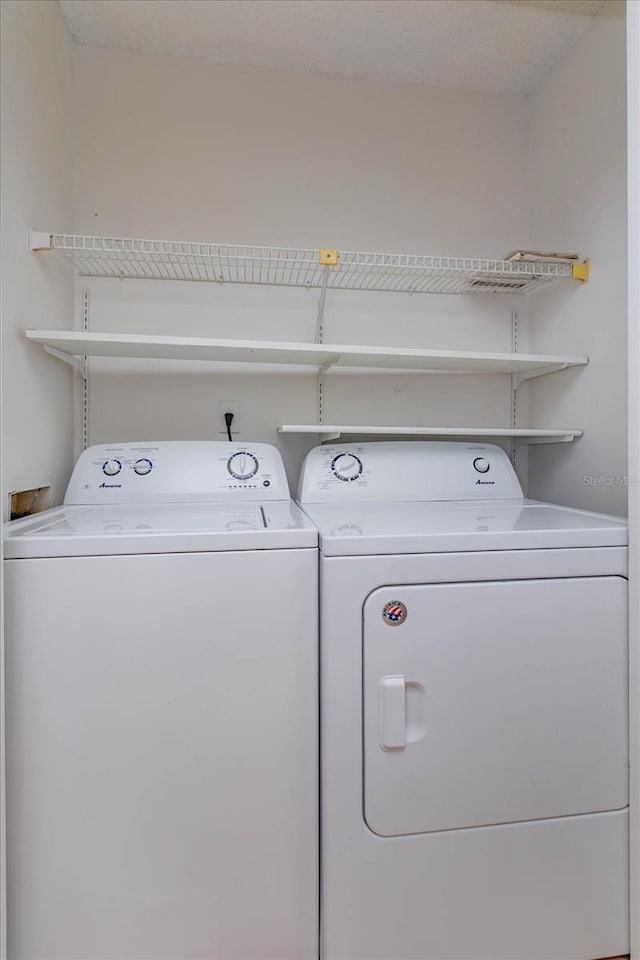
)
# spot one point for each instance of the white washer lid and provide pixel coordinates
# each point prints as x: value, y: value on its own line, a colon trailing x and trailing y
x: 367, y: 529
x: 82, y: 531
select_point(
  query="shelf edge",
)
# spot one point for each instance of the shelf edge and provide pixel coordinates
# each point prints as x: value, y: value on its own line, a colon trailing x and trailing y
x: 524, y: 435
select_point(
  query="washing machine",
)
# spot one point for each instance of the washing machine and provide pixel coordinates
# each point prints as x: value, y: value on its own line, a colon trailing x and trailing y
x: 474, y: 710
x: 161, y: 667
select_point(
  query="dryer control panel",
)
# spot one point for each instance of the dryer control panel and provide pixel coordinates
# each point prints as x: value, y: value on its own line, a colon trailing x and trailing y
x: 177, y: 471
x: 406, y: 471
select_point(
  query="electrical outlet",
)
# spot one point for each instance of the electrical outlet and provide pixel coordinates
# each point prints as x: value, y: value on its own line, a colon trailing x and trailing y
x: 228, y: 406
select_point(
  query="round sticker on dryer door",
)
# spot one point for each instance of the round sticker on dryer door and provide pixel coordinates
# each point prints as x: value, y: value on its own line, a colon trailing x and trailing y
x: 394, y: 613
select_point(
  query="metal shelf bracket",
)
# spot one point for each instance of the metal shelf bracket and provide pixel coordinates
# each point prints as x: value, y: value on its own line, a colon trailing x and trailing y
x: 319, y: 335
x: 567, y: 438
x: 515, y: 317
x: 328, y: 258
x: 520, y: 378
x: 321, y: 372
x: 76, y: 362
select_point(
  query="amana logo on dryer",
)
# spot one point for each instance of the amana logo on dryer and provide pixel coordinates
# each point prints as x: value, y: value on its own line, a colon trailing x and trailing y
x: 394, y: 613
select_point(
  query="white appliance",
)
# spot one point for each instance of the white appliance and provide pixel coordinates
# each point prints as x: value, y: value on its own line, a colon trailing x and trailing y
x: 474, y: 710
x: 161, y: 643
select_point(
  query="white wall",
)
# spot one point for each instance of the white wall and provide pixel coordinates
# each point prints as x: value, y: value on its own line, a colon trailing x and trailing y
x: 173, y: 147
x: 633, y: 108
x: 577, y: 183
x: 37, y: 181
x: 185, y: 147
x: 36, y: 140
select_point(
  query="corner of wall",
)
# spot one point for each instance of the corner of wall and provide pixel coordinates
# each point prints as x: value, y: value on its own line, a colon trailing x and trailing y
x: 37, y: 183
x: 577, y: 174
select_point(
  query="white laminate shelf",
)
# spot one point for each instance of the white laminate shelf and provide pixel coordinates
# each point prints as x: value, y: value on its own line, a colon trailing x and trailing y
x: 124, y: 257
x: 529, y: 436
x: 70, y: 345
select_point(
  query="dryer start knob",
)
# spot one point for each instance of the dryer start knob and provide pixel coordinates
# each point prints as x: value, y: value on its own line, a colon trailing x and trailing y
x: 481, y: 465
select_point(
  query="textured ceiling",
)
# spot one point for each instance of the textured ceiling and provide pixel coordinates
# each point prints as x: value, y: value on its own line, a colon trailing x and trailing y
x: 497, y: 46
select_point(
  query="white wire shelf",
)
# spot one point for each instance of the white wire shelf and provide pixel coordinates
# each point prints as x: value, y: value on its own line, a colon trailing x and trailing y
x: 70, y: 344
x: 334, y: 431
x: 123, y: 257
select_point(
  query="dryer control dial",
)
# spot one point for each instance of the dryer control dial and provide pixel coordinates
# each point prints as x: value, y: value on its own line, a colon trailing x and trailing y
x: 111, y: 467
x: 481, y: 465
x: 346, y: 466
x: 242, y: 465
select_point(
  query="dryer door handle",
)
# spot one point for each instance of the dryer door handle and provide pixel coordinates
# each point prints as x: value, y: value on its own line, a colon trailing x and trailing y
x: 393, y: 713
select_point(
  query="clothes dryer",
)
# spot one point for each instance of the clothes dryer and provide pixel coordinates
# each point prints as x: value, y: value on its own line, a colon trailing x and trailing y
x: 161, y: 665
x: 474, y: 710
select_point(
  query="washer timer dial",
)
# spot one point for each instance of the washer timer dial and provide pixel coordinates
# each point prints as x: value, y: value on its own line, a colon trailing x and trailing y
x: 481, y: 465
x: 346, y: 466
x: 242, y: 466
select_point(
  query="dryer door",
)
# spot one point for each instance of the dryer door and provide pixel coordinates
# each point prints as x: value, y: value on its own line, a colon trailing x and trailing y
x: 488, y: 703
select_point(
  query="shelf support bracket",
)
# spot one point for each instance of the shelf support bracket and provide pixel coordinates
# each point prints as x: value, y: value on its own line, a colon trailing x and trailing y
x: 321, y: 372
x: 328, y: 258
x: 76, y: 362
x: 319, y: 335
x: 85, y: 374
x: 514, y: 387
x: 566, y: 438
x: 520, y: 378
x: 39, y: 240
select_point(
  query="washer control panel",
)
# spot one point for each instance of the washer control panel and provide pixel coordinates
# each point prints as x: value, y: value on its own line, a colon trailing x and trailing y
x: 177, y: 471
x: 397, y: 471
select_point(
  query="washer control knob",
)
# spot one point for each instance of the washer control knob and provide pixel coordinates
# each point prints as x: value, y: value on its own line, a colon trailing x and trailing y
x: 142, y: 467
x: 242, y: 466
x: 111, y: 467
x: 481, y: 465
x: 346, y: 466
